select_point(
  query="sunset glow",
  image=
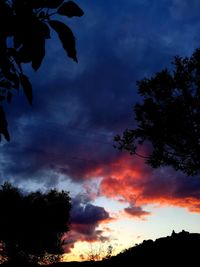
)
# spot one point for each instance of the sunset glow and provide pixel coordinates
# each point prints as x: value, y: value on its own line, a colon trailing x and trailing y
x: 144, y: 202
x: 65, y: 140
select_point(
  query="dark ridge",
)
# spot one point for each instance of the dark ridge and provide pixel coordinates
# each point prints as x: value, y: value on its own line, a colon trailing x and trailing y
x: 182, y: 248
x: 179, y: 249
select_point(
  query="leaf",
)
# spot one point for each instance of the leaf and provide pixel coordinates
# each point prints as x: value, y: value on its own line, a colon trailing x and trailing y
x: 41, y: 32
x: 46, y: 3
x: 27, y: 87
x: 6, y: 19
x: 44, y: 29
x: 4, y: 125
x: 24, y: 54
x: 33, y: 49
x: 70, y: 9
x: 38, y: 53
x: 66, y: 37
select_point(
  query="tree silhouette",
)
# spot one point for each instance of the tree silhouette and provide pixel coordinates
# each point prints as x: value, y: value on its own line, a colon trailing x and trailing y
x: 31, y: 225
x: 25, y: 25
x: 168, y: 117
x: 99, y: 252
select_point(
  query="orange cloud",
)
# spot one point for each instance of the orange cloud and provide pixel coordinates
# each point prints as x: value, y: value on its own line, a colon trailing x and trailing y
x: 128, y: 178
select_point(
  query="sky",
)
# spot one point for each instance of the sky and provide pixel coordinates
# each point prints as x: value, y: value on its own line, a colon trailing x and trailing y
x: 65, y: 140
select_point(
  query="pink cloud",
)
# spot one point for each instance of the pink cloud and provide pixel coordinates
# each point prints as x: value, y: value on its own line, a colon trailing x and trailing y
x: 137, y: 212
x: 128, y: 178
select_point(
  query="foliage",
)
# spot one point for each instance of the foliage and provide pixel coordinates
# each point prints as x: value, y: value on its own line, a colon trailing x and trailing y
x: 99, y: 252
x: 109, y: 253
x: 25, y: 26
x: 169, y: 117
x: 31, y: 225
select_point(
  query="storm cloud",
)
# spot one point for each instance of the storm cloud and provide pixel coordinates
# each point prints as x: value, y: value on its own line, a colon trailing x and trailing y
x: 84, y: 222
x: 67, y: 135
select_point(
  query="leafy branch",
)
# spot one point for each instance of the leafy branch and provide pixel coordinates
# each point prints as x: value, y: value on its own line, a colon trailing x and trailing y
x: 25, y: 26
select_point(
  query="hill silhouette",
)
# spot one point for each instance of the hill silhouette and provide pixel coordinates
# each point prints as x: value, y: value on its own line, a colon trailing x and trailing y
x: 179, y: 248
x: 182, y: 248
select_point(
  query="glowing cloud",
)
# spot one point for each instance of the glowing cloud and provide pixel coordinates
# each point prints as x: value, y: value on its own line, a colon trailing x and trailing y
x: 129, y: 179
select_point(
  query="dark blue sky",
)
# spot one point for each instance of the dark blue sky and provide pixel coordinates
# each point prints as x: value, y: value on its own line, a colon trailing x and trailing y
x: 78, y: 108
